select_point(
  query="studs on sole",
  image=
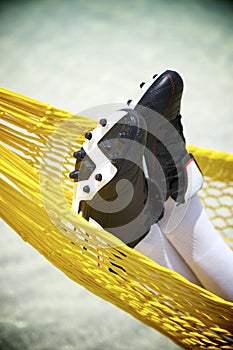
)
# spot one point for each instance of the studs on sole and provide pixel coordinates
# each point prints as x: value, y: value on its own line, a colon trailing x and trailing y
x: 79, y: 154
x: 86, y: 189
x: 88, y: 135
x: 74, y: 174
x: 98, y: 177
x: 103, y: 122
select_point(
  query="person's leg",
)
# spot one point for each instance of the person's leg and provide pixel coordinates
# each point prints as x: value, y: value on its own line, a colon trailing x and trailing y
x: 189, y: 230
x: 156, y: 247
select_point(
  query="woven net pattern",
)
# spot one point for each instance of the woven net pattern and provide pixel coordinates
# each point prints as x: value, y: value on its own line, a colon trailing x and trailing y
x: 35, y: 202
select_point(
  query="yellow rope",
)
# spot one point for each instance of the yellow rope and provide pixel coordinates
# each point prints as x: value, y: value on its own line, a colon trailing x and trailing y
x: 36, y: 197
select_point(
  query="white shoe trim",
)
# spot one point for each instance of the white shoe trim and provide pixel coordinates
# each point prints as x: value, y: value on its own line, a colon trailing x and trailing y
x: 102, y: 163
x: 194, y: 179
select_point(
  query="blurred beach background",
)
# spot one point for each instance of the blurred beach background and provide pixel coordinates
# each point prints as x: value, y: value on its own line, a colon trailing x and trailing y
x: 76, y: 55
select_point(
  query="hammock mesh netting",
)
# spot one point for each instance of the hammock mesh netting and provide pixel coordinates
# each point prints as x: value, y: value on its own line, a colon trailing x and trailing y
x: 38, y: 143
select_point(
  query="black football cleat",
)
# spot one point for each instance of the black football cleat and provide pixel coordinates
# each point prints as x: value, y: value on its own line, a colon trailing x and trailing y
x: 168, y: 162
x: 111, y: 189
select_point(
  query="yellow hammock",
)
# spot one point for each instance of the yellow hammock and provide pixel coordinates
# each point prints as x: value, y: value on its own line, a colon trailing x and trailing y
x: 36, y: 204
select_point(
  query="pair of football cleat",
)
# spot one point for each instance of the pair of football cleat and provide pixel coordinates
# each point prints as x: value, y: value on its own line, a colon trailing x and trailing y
x: 134, y: 160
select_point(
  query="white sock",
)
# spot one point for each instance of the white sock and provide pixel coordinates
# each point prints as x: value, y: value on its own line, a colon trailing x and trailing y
x: 189, y: 230
x: 156, y: 247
